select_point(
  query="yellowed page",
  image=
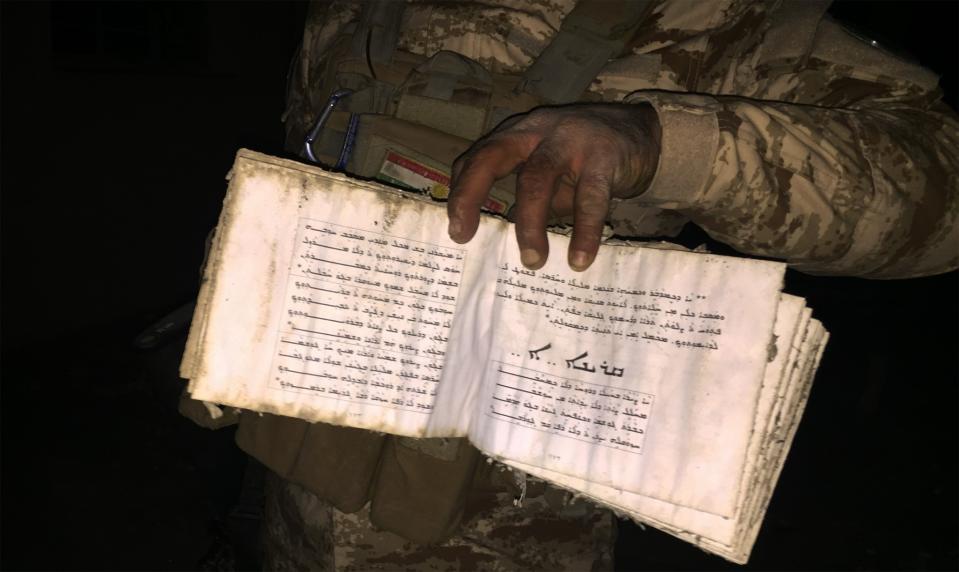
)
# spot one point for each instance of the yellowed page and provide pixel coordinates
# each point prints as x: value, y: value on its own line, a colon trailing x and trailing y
x: 334, y: 300
x: 721, y: 535
x: 641, y: 374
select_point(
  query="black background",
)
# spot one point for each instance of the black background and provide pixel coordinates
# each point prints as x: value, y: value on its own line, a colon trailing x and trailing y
x: 119, y: 122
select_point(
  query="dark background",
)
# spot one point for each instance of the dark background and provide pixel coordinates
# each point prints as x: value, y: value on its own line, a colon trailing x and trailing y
x: 119, y: 122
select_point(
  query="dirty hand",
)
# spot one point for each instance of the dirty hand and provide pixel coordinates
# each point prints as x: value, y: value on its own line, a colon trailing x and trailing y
x: 572, y: 159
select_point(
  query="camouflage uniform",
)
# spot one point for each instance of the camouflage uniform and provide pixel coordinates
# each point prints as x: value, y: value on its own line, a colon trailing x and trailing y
x: 303, y: 532
x: 782, y: 135
x: 801, y: 142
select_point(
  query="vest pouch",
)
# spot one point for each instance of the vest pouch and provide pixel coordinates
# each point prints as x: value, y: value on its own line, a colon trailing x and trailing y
x: 448, y: 92
x: 421, y: 488
x: 336, y: 463
x: 416, y: 157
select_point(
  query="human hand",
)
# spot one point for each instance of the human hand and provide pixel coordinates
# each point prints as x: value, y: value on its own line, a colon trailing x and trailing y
x: 572, y: 158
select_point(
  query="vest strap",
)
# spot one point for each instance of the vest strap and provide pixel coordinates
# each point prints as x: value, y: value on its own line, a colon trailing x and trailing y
x: 592, y: 34
x: 378, y: 31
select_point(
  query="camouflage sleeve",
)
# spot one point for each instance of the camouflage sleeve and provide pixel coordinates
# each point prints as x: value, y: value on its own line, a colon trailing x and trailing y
x: 836, y: 175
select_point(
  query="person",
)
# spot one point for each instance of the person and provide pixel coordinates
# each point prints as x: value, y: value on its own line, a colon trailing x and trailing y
x: 768, y: 125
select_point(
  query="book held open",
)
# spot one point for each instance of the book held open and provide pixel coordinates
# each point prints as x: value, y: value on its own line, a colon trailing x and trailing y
x: 662, y: 383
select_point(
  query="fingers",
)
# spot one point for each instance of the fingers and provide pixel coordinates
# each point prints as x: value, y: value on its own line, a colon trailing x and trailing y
x: 536, y: 185
x: 571, y: 158
x: 590, y: 204
x: 545, y: 170
x: 474, y: 174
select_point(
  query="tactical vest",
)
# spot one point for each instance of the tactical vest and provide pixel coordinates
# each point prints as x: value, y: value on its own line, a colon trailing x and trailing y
x: 381, y: 113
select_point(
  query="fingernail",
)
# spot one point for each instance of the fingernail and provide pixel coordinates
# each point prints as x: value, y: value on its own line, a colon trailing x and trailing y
x: 529, y: 257
x: 455, y: 228
x: 578, y: 260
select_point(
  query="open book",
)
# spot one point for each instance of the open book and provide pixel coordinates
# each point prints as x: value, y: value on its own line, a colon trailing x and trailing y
x: 662, y: 383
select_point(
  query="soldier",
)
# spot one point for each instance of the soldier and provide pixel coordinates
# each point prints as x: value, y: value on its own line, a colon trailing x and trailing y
x: 766, y: 124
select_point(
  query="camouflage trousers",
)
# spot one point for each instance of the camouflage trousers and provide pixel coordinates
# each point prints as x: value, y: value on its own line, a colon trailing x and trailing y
x: 304, y: 532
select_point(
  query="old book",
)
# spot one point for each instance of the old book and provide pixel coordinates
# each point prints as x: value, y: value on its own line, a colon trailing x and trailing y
x: 663, y: 383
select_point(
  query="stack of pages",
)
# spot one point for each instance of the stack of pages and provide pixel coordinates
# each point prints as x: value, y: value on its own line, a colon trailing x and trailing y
x: 664, y: 384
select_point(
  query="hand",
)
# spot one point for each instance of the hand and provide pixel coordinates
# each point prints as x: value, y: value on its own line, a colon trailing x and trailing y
x: 572, y: 158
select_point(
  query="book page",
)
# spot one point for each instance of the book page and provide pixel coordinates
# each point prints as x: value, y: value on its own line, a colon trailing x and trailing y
x: 780, y: 441
x: 719, y: 534
x: 334, y: 301
x: 731, y: 538
x: 641, y: 374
